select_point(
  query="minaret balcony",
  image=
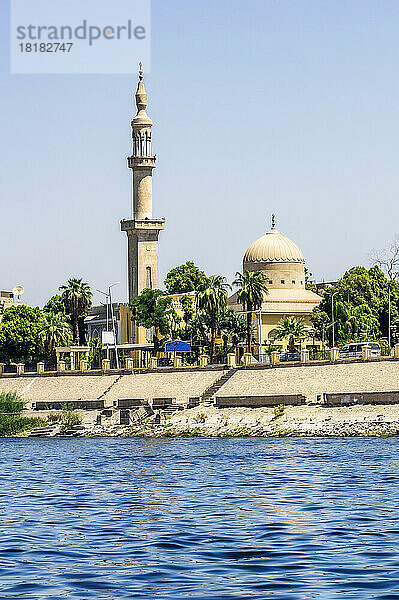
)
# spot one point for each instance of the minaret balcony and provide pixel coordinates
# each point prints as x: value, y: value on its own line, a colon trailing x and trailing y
x: 142, y: 224
x: 147, y: 162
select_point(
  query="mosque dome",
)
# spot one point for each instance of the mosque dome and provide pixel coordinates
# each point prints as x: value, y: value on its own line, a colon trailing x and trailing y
x: 273, y: 247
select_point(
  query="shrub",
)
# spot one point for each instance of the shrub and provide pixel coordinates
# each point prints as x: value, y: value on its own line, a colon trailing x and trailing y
x: 11, y: 421
x: 11, y: 402
x: 200, y: 418
x: 69, y: 418
x: 54, y: 417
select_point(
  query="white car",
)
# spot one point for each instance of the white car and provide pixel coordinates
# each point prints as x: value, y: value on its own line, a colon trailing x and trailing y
x: 355, y: 350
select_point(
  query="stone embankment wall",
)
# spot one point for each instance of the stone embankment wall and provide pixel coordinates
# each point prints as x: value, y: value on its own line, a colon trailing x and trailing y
x: 313, y: 381
x: 180, y: 385
x: 309, y: 381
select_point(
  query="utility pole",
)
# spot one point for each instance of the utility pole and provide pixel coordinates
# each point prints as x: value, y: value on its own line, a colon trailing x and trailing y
x: 389, y: 315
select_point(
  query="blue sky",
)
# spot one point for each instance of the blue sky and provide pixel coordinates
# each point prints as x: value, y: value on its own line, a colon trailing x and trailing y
x: 258, y: 107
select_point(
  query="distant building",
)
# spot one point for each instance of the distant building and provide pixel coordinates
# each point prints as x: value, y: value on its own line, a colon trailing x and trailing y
x: 6, y: 300
x: 323, y: 285
x: 96, y: 322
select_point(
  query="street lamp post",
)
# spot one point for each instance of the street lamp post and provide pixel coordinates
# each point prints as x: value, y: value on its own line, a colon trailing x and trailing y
x: 110, y: 308
x: 333, y: 319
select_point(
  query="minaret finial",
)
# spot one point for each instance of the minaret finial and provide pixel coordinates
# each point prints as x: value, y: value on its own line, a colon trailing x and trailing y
x: 273, y: 221
x: 141, y: 96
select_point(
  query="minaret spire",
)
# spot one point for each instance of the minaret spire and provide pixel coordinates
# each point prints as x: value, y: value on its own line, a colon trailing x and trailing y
x: 141, y: 95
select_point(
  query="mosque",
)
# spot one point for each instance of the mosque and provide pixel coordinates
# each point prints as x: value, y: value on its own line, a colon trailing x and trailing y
x: 275, y: 255
x: 283, y: 264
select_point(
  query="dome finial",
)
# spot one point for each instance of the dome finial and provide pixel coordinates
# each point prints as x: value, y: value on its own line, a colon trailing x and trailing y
x: 273, y: 221
x: 140, y: 71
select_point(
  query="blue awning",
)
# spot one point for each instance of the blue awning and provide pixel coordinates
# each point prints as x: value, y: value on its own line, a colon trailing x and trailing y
x: 178, y: 346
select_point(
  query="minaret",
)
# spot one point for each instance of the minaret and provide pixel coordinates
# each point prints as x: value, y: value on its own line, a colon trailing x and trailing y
x: 142, y: 230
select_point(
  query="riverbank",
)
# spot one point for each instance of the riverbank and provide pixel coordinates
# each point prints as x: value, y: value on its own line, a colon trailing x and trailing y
x: 303, y: 421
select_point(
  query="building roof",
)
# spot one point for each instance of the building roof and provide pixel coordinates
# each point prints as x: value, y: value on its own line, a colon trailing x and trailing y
x: 274, y: 247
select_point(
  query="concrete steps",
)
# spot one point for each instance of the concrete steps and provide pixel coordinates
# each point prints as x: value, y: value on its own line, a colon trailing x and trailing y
x: 215, y: 387
x: 49, y: 431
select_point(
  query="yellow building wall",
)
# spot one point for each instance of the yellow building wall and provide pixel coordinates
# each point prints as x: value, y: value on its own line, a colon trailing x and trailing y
x: 270, y: 323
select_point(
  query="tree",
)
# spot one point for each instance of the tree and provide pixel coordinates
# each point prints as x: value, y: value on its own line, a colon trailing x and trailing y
x: 76, y: 296
x: 213, y: 299
x: 152, y: 309
x: 252, y: 290
x: 185, y: 278
x: 55, y: 305
x: 290, y: 328
x: 56, y: 331
x: 388, y: 259
x: 359, y: 286
x: 96, y: 351
x: 232, y: 327
x: 19, y: 333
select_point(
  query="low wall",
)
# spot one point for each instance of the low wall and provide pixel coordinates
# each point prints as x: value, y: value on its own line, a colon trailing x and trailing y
x: 361, y: 398
x: 75, y: 404
x: 259, y: 401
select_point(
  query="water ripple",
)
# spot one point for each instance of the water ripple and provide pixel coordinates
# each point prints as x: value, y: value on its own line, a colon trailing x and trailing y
x: 285, y: 519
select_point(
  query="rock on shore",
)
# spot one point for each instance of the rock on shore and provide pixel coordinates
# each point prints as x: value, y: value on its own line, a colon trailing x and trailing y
x: 310, y: 420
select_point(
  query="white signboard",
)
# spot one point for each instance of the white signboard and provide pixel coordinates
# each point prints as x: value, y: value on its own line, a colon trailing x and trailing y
x: 107, y: 338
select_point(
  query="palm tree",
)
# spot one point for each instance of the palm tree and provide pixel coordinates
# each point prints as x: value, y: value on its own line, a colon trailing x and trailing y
x: 212, y: 299
x: 232, y: 327
x: 290, y: 328
x: 76, y: 296
x: 252, y: 290
x: 56, y: 331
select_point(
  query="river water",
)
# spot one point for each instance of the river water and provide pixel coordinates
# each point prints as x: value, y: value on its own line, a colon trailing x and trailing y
x: 237, y: 518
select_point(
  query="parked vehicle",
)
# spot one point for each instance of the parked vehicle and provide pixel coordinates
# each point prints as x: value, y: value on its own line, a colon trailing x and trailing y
x: 355, y: 350
x: 286, y: 356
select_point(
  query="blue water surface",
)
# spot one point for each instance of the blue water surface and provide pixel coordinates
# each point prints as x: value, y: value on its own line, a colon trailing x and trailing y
x: 284, y: 519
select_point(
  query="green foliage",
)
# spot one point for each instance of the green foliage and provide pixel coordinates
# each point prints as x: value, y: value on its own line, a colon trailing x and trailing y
x: 360, y: 306
x: 11, y: 421
x: 185, y: 278
x: 69, y: 418
x: 55, y: 305
x: 232, y: 328
x: 212, y: 300
x: 153, y: 309
x: 11, y: 402
x: 291, y: 328
x: 187, y: 304
x: 96, y: 351
x: 54, y: 417
x: 251, y: 291
x: 19, y: 333
x: 56, y: 331
x: 13, y: 424
x: 77, y: 296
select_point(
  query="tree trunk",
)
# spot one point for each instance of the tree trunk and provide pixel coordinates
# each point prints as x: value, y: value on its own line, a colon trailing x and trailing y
x: 76, y: 328
x: 213, y: 333
x: 249, y: 336
x: 291, y: 344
